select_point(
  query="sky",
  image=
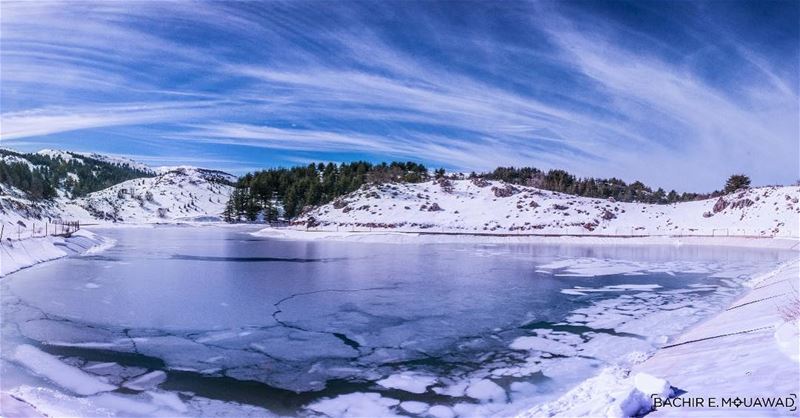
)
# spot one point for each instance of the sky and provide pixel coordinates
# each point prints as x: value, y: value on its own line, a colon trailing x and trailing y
x: 677, y: 94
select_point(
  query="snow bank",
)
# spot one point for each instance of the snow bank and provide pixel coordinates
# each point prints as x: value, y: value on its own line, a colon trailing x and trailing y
x: 748, y: 350
x: 66, y: 376
x: 16, y: 255
x: 787, y: 336
x: 394, y: 237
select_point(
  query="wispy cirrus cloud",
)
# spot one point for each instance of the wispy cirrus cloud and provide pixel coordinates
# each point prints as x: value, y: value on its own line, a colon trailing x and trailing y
x: 675, y: 96
x: 46, y: 121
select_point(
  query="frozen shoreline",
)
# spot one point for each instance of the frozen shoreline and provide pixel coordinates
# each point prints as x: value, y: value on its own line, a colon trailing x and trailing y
x: 749, y: 350
x: 17, y: 255
x: 392, y: 237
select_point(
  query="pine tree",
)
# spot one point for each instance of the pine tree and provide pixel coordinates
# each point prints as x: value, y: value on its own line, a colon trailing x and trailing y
x: 736, y: 182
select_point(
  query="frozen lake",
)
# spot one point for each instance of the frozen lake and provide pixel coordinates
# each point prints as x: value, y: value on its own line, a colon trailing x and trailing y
x: 214, y: 321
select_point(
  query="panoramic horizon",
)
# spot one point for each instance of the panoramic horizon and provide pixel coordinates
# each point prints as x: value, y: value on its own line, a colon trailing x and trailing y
x: 529, y: 209
x: 678, y: 95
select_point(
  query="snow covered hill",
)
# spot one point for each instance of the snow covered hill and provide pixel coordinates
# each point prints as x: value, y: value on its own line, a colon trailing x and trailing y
x: 181, y: 194
x: 493, y: 207
x: 82, y: 157
x: 170, y: 194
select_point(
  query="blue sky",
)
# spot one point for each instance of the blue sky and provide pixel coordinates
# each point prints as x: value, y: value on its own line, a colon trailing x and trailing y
x: 677, y: 94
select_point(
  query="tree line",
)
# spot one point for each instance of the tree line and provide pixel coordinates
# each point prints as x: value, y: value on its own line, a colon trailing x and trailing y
x: 77, y: 176
x: 285, y: 192
x: 563, y: 182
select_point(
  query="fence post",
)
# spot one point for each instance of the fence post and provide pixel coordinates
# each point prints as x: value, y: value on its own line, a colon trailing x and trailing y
x: 2, y: 229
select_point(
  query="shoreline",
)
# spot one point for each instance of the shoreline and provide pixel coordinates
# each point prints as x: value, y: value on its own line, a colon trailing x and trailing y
x: 26, y: 253
x: 707, y: 364
x: 395, y: 237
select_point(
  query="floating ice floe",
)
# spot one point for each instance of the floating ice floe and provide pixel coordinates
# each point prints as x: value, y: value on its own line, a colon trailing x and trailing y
x: 582, y: 291
x: 408, y: 381
x: 542, y: 344
x: 485, y: 390
x: 146, y: 381
x: 358, y: 404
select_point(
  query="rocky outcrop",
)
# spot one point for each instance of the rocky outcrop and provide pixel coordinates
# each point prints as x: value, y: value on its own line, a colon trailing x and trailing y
x: 720, y: 205
x: 506, y: 191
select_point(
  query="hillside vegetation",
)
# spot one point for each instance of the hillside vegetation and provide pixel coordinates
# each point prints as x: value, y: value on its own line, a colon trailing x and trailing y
x: 287, y: 192
x: 43, y: 174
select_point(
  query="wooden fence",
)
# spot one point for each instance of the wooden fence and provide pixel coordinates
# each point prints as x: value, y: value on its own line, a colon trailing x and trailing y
x: 18, y: 232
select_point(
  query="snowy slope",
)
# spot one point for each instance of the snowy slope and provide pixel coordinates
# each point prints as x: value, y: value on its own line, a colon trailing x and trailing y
x: 183, y: 194
x: 80, y: 158
x: 493, y: 207
x: 173, y: 194
x: 117, y: 160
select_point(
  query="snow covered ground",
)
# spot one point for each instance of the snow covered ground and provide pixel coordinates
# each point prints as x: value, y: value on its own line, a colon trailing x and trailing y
x: 182, y: 194
x: 750, y: 351
x: 493, y: 207
x: 15, y: 255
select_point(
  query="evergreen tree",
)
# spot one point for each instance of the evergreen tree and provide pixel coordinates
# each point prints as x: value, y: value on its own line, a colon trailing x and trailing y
x: 736, y: 182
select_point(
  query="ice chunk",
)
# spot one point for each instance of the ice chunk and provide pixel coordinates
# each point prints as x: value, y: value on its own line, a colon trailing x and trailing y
x: 414, y: 407
x: 441, y: 411
x: 62, y: 374
x: 409, y: 382
x: 146, y: 381
x: 651, y: 385
x: 168, y: 399
x: 628, y: 403
x: 356, y: 405
x: 542, y: 344
x: 486, y: 391
x: 123, y: 404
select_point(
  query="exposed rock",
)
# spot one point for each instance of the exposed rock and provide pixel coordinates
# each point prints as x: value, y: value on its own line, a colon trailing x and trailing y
x: 608, y: 215
x: 479, y: 182
x: 742, y: 203
x: 446, y: 185
x: 506, y: 191
x: 533, y: 204
x: 339, y: 203
x: 434, y: 207
x: 720, y: 205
